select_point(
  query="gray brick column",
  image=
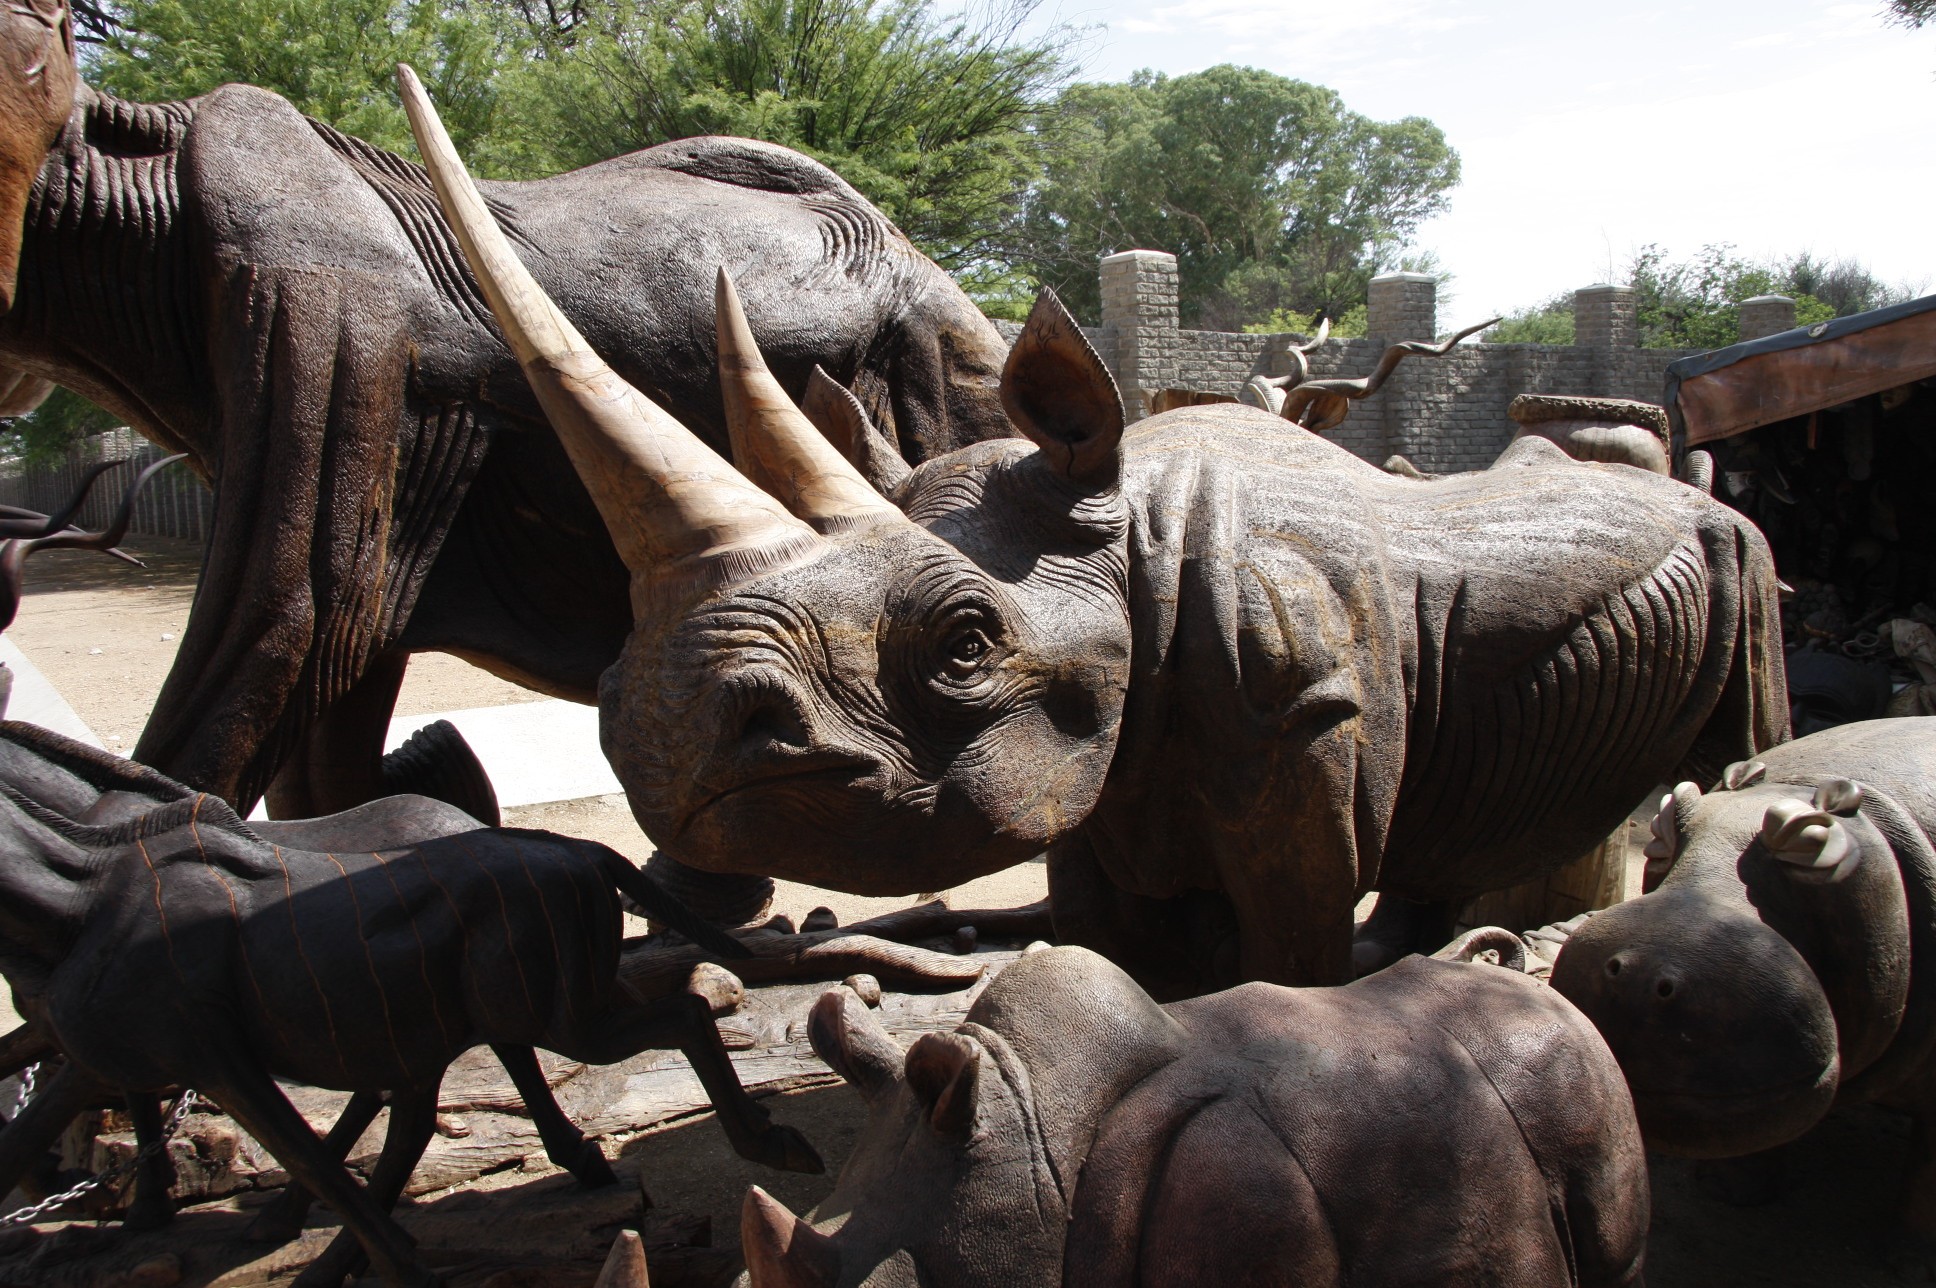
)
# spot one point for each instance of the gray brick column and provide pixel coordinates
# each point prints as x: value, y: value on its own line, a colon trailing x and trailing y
x: 1139, y: 310
x: 1606, y: 323
x: 1766, y: 315
x: 1403, y: 306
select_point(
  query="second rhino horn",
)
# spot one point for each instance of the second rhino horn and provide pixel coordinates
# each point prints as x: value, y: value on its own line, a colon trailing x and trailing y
x: 681, y: 516
x: 775, y: 442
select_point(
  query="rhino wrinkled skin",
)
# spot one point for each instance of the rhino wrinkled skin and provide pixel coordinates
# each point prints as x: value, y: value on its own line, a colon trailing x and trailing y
x: 1784, y: 959
x: 1438, y: 1123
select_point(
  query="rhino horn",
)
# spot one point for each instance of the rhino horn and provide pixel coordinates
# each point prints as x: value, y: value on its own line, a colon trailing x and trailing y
x: 781, y: 1250
x: 944, y: 1072
x: 676, y: 510
x: 845, y: 1034
x: 624, y: 1264
x: 775, y: 442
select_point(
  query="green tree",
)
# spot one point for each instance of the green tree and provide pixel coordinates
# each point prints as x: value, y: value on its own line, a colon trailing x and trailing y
x: 1547, y: 323
x: 931, y: 114
x: 44, y: 433
x: 1912, y: 13
x: 336, y: 61
x: 1273, y: 195
x: 1695, y: 303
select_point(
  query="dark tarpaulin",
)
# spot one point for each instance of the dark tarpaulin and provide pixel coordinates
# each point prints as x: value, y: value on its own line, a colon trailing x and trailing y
x: 1713, y: 395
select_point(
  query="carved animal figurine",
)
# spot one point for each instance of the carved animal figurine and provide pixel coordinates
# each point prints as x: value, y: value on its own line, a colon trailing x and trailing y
x: 286, y: 304
x: 1322, y: 405
x: 1618, y: 431
x: 1438, y: 1123
x: 158, y: 940
x: 1230, y: 676
x: 1784, y: 957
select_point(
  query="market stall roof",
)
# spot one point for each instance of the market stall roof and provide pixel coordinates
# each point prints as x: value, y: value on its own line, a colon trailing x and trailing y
x: 1758, y: 382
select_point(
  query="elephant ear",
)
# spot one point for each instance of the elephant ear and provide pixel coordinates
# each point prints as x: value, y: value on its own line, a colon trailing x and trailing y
x: 1061, y: 396
x: 838, y: 415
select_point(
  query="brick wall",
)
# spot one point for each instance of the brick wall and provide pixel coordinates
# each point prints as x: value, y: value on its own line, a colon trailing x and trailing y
x: 1444, y: 413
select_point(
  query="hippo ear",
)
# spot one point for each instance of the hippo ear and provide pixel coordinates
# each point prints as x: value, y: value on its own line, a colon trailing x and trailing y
x: 944, y: 1072
x: 1839, y: 796
x: 1061, y: 396
x: 1743, y: 773
x: 1664, y: 846
x: 836, y: 413
x: 846, y: 1035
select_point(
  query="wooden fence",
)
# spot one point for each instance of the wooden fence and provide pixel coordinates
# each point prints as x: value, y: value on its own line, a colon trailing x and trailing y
x: 174, y: 504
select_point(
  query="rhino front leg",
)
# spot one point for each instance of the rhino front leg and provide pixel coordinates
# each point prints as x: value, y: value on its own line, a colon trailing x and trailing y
x: 1172, y: 948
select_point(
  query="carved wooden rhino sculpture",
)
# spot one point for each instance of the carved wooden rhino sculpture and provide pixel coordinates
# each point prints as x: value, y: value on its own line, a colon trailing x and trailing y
x: 1228, y: 675
x: 286, y: 304
x: 1784, y: 958
x: 1437, y: 1123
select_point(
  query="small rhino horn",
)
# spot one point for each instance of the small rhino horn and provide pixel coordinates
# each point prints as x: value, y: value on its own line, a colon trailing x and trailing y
x: 781, y: 1250
x: 944, y: 1072
x: 624, y: 1264
x: 845, y: 1034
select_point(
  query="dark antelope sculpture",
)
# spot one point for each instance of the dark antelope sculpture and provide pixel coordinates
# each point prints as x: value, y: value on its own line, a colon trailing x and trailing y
x: 1784, y: 957
x: 287, y: 305
x: 231, y: 959
x: 1229, y: 676
x: 1441, y: 1122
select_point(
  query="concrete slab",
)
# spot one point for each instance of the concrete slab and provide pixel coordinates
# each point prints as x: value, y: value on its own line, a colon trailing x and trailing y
x: 534, y: 752
x: 37, y: 701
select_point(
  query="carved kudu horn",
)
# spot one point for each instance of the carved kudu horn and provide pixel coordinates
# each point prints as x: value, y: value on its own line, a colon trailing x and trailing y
x: 775, y: 443
x: 27, y: 532
x: 1319, y: 405
x: 679, y: 514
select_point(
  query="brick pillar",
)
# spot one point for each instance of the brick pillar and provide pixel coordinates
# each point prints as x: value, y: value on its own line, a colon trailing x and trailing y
x: 1403, y: 306
x: 1606, y: 317
x: 1139, y: 310
x: 1766, y: 315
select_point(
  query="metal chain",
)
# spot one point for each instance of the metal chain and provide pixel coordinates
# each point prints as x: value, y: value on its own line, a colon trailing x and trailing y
x: 169, y: 1127
x: 25, y: 1091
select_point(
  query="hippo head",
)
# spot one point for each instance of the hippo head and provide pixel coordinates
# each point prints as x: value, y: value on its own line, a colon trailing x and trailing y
x: 819, y: 684
x: 37, y: 84
x: 974, y: 1139
x: 1728, y: 1040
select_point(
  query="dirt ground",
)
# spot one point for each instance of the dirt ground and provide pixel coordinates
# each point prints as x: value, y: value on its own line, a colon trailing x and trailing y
x: 105, y: 635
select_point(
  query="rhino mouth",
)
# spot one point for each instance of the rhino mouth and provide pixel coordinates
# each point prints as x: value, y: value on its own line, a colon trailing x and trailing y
x: 846, y: 774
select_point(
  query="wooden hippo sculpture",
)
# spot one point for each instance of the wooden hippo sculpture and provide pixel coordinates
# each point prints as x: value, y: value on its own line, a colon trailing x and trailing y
x: 1230, y: 676
x: 1441, y: 1122
x: 1784, y: 957
x: 285, y: 303
x: 1618, y: 431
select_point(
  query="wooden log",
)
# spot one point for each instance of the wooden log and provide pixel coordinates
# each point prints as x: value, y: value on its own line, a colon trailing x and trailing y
x: 1595, y: 880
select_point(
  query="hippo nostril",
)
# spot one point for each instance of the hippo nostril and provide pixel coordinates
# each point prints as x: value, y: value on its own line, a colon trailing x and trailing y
x: 1613, y: 965
x: 1665, y: 988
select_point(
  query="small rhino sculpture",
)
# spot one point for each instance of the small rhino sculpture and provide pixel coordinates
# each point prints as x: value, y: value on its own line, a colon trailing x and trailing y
x: 1437, y: 1123
x: 1783, y: 958
x: 1228, y: 675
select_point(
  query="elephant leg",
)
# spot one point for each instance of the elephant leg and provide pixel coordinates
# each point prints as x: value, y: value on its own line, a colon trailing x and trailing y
x: 564, y: 1144
x: 413, y: 1120
x: 252, y: 1098
x: 1172, y: 948
x: 338, y: 764
x: 284, y: 1217
x: 25, y: 1141
x: 685, y: 1021
x: 151, y: 1208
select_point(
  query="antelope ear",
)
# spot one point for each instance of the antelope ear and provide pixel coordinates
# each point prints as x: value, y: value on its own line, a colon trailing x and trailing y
x: 1839, y: 796
x: 838, y: 415
x: 944, y: 1072
x: 845, y: 1034
x: 1743, y: 773
x: 1058, y: 393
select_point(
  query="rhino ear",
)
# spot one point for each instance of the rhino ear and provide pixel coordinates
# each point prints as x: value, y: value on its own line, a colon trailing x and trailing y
x: 845, y: 1034
x: 1743, y: 773
x: 837, y: 414
x: 944, y: 1072
x: 1058, y: 393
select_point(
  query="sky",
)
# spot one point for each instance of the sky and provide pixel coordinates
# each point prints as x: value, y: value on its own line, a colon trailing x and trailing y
x: 1589, y: 131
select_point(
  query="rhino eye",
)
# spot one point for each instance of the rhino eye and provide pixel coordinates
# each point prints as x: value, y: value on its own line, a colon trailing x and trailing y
x: 967, y: 649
